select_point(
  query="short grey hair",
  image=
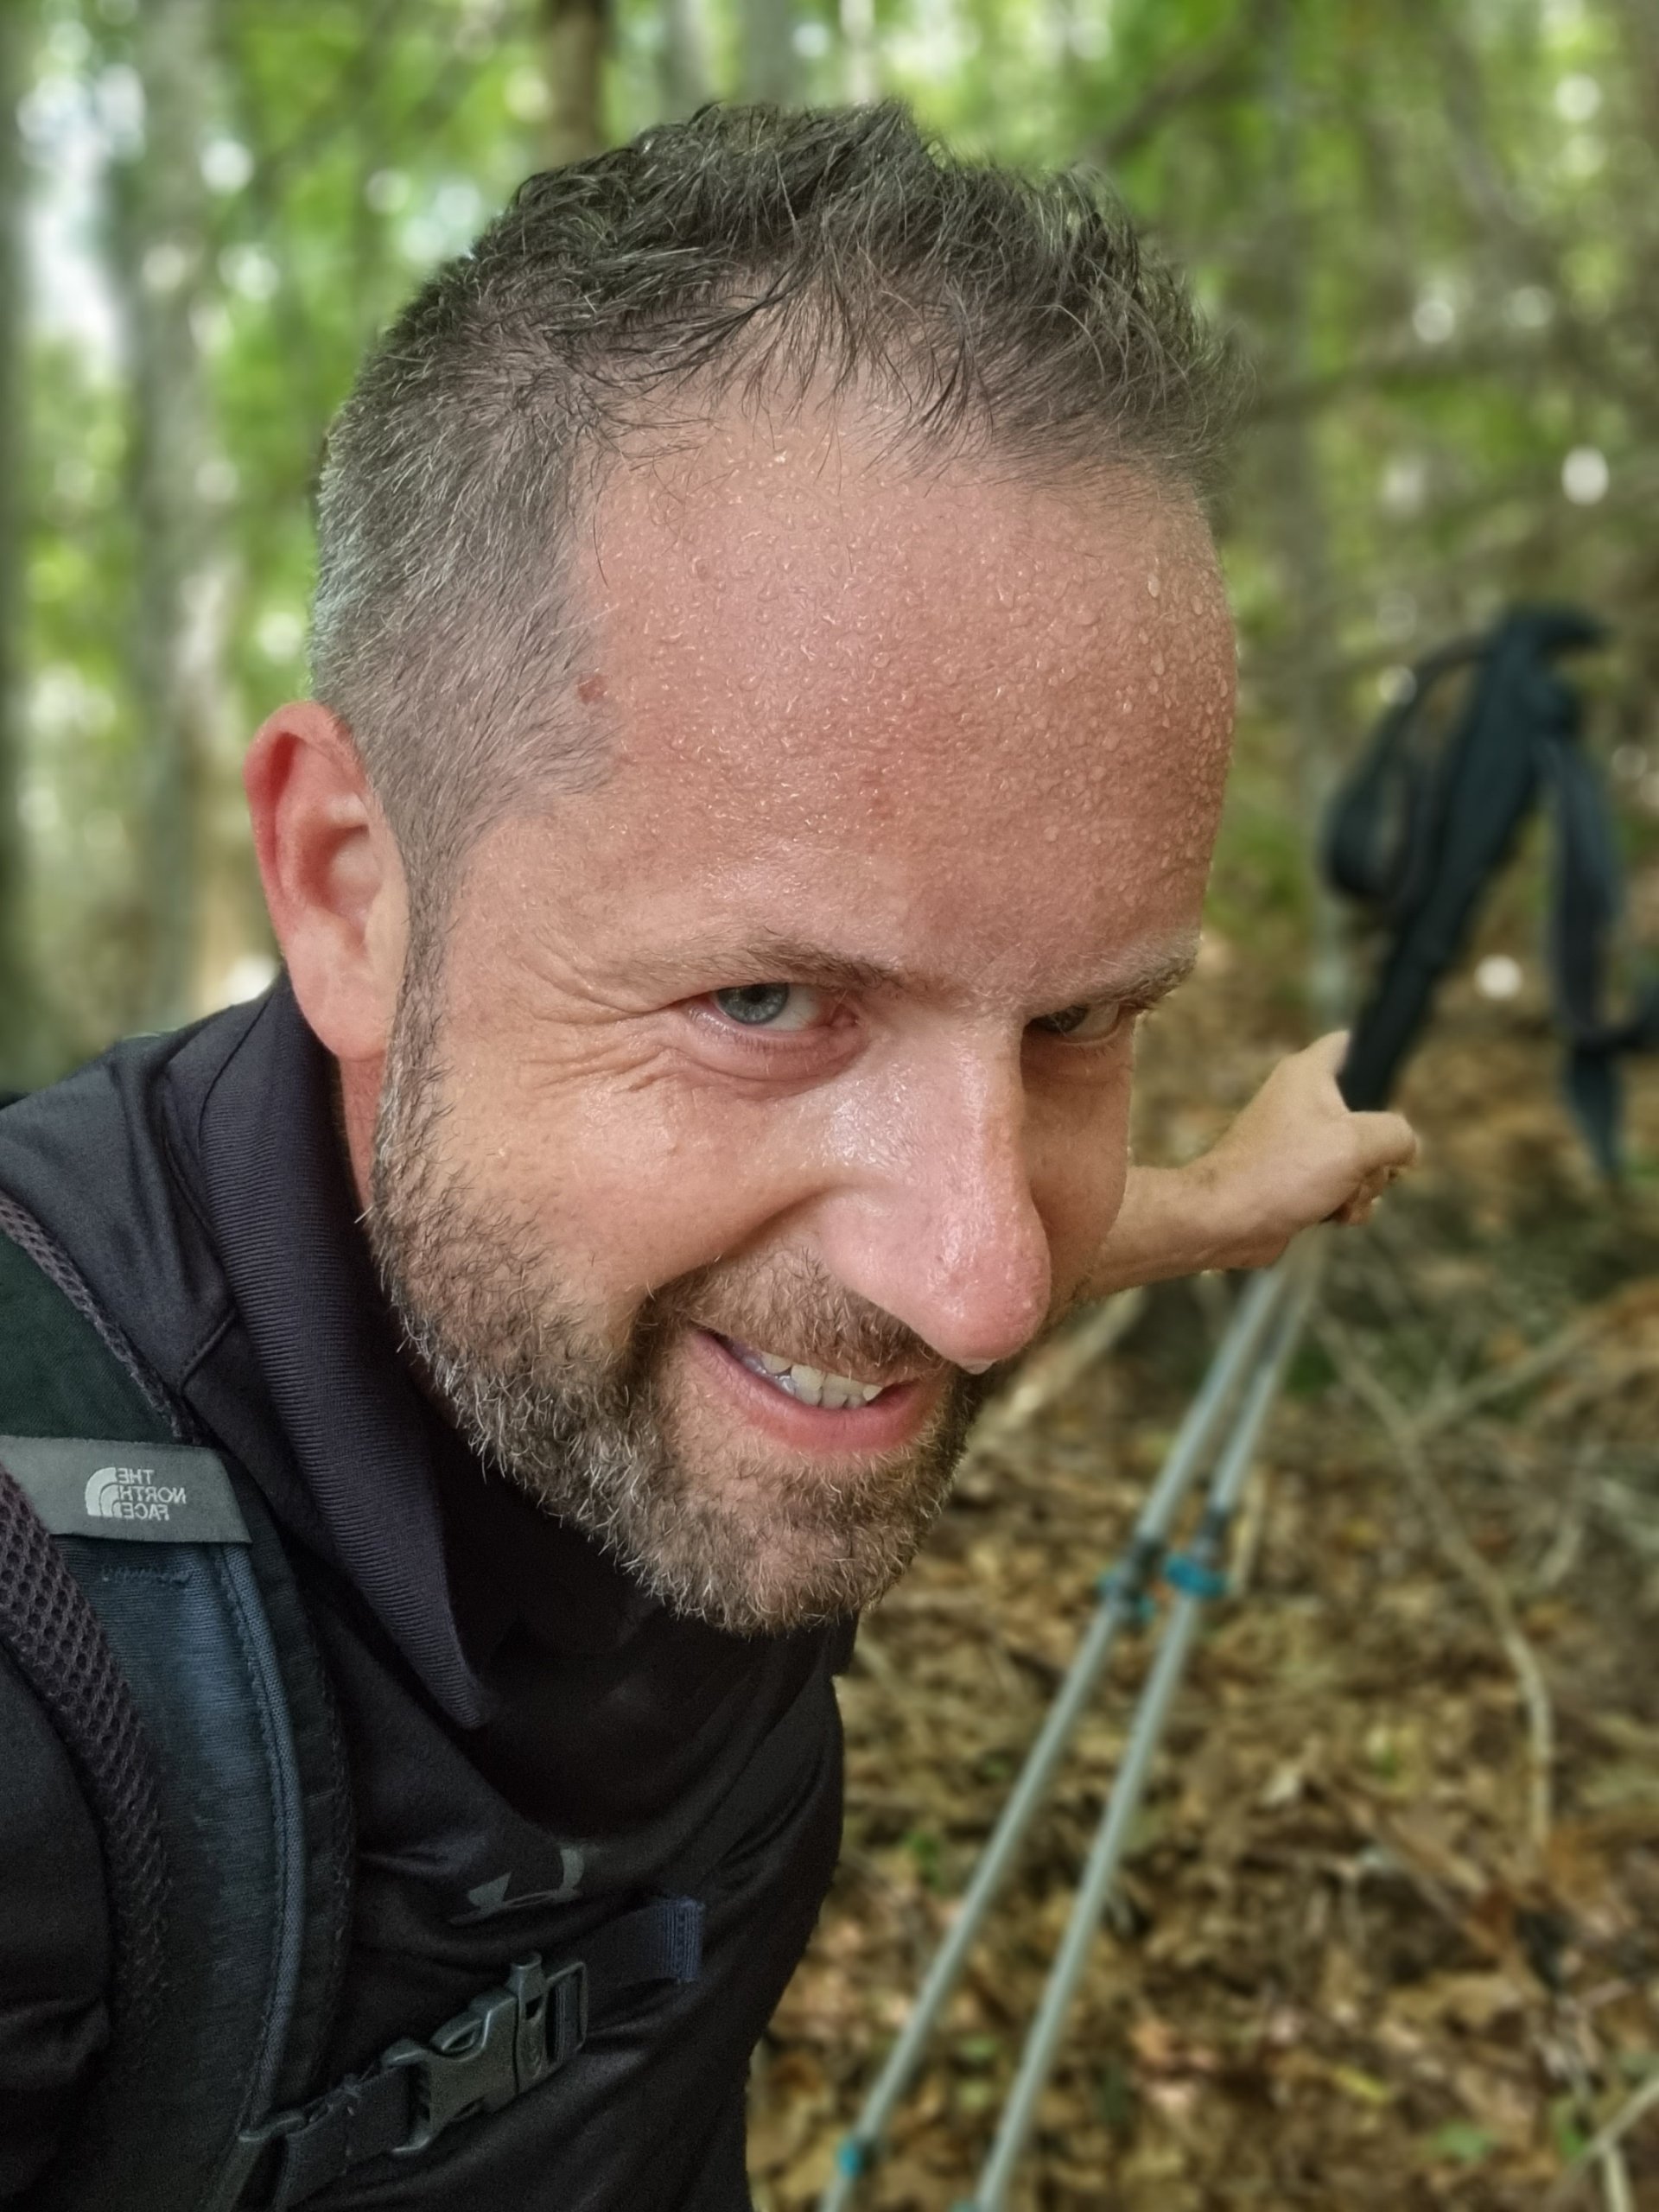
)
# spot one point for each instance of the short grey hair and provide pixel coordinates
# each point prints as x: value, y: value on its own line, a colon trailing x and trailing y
x: 744, y: 254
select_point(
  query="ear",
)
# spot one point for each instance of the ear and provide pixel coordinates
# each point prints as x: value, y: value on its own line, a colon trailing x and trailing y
x: 334, y: 878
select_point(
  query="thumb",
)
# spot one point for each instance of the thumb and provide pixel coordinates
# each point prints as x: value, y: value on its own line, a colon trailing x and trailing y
x: 1328, y: 1052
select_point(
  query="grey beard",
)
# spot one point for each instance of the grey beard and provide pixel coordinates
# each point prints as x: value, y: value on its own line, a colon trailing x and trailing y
x: 579, y: 1426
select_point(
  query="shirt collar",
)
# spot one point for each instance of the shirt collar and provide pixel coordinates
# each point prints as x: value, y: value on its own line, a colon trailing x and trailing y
x: 284, y: 1218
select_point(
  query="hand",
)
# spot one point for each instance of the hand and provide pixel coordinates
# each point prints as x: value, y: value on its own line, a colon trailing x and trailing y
x: 1294, y: 1156
x: 1297, y: 1154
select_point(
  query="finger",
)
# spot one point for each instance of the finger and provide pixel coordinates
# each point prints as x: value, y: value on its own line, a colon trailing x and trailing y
x: 1327, y: 1053
x: 1360, y: 1202
x: 1384, y: 1140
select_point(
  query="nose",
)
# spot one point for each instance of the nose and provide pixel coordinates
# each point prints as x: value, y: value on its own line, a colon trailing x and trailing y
x: 939, y: 1226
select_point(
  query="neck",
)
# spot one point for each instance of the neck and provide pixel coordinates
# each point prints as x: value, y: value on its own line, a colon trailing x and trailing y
x: 356, y: 1093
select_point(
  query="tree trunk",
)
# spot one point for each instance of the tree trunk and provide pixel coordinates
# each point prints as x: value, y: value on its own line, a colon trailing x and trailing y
x: 859, y: 70
x: 687, y: 80
x: 1300, y: 528
x: 573, y: 56
x: 180, y: 484
x: 1638, y: 52
x: 16, y: 1005
x: 768, y: 67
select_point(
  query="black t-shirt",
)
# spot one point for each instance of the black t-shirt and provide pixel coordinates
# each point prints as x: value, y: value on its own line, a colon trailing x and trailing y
x: 607, y: 1709
x: 535, y: 1744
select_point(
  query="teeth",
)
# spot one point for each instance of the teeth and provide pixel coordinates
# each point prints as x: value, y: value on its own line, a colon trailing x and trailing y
x: 810, y: 1384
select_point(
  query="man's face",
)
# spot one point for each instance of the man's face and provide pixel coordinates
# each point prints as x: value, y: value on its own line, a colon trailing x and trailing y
x: 777, y: 1085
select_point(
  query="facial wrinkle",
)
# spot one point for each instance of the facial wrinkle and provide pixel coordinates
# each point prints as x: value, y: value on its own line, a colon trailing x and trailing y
x: 583, y: 1427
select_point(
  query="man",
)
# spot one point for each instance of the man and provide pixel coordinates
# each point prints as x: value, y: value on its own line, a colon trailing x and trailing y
x: 773, y: 687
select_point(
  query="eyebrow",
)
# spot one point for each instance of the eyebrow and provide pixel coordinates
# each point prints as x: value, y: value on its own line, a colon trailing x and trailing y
x: 1150, y: 973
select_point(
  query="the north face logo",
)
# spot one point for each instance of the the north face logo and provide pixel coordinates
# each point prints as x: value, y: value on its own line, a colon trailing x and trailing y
x: 130, y: 1494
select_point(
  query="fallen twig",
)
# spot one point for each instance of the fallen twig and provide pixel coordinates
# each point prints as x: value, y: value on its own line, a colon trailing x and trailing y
x: 1568, y: 1543
x: 1609, y: 1382
x: 1602, y: 2150
x: 1488, y: 1586
x: 1501, y: 1382
x: 1053, y: 1368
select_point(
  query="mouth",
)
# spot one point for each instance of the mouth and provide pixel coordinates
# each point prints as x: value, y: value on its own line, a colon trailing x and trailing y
x: 816, y: 1408
x: 807, y: 1385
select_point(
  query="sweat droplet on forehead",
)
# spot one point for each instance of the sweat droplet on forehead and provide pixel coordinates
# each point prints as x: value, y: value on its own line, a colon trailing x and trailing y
x: 828, y: 649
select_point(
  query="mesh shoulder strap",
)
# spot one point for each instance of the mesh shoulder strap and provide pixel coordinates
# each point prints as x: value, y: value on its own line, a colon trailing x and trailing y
x: 145, y: 1600
x: 54, y: 1638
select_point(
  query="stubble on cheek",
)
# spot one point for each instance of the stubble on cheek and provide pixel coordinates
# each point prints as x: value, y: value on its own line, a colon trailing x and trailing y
x: 806, y: 1539
x: 614, y: 1436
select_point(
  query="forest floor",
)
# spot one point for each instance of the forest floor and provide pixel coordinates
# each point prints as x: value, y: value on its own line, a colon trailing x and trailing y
x: 1388, y: 1934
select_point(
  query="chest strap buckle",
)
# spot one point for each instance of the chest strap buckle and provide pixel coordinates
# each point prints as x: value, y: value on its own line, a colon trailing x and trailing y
x: 505, y: 2042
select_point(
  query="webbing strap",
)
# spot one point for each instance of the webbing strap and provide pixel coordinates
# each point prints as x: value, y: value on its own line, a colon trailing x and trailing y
x: 1427, y: 819
x: 505, y: 2041
x: 1584, y: 910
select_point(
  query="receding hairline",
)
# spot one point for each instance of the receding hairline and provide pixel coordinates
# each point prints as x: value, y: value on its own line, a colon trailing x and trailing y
x: 583, y: 754
x: 1014, y: 323
x: 705, y: 453
x: 860, y: 417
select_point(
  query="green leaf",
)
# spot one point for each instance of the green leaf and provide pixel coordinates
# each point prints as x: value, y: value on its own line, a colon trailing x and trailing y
x: 1462, y: 2141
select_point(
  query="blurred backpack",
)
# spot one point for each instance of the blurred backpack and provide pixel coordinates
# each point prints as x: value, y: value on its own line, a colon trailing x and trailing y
x: 1431, y: 812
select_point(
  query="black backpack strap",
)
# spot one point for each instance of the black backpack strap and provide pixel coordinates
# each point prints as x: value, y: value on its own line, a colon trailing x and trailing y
x: 513, y: 2037
x: 119, y: 1378
x: 225, y: 1713
x: 54, y: 1639
x: 506, y: 2042
x: 248, y: 1769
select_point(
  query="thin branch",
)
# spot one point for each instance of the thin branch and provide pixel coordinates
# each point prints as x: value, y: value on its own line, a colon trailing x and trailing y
x: 386, y: 20
x: 1603, y: 2146
x: 1486, y: 1585
x: 1399, y: 366
x: 1051, y: 1371
x: 1518, y: 1373
x: 1202, y: 76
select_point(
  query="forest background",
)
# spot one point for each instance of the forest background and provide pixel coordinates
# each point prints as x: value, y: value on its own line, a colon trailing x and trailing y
x: 1436, y: 228
x: 1357, y: 1959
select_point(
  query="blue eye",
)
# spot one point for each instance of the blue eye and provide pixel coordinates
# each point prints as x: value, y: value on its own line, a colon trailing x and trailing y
x: 768, y: 1006
x: 1085, y: 1025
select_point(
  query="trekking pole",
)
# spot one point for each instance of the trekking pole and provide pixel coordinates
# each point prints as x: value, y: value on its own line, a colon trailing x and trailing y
x: 1196, y: 1576
x: 1123, y: 1597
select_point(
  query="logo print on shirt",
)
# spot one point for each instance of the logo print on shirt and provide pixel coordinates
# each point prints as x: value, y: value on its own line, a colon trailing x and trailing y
x: 131, y: 1494
x: 491, y: 1898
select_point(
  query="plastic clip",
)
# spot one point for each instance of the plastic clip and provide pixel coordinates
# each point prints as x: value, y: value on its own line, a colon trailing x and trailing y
x: 1193, y: 1577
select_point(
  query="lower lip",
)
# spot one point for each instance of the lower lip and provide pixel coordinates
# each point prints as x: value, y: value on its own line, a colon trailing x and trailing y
x: 893, y: 1419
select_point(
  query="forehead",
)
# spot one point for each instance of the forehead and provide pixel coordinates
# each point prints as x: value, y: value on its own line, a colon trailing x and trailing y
x: 812, y: 665
x: 860, y: 604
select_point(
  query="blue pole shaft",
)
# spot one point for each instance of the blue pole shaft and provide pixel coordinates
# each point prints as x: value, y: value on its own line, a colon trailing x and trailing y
x: 1042, y: 2044
x: 1120, y: 1599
